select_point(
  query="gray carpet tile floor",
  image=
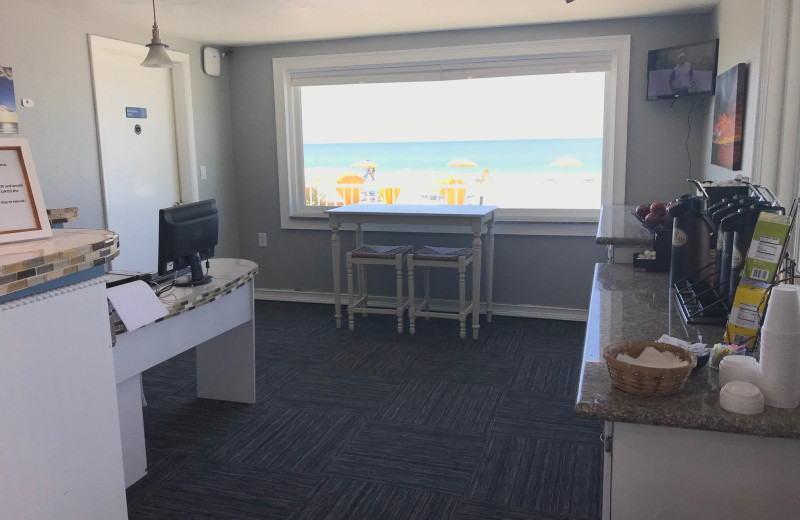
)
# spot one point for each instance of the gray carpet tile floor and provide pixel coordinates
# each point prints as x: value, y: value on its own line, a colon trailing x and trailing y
x: 371, y: 424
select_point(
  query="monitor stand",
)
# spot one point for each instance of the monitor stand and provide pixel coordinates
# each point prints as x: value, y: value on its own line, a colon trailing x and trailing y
x: 197, y: 276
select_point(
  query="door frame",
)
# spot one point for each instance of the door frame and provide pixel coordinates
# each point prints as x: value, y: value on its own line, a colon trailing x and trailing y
x: 184, y: 115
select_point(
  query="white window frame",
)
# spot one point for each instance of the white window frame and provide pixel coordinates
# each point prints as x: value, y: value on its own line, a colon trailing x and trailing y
x: 441, y: 62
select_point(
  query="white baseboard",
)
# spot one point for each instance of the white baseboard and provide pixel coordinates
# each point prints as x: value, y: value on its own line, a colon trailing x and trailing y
x: 500, y: 309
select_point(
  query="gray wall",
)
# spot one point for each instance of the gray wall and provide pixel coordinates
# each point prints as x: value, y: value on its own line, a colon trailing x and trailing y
x: 737, y: 23
x: 49, y: 52
x: 548, y: 271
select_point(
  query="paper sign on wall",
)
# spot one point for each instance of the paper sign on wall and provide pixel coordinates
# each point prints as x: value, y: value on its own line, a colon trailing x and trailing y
x: 22, y: 212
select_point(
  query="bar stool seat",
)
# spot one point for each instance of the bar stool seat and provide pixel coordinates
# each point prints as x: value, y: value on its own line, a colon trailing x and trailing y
x: 435, y: 256
x: 375, y: 255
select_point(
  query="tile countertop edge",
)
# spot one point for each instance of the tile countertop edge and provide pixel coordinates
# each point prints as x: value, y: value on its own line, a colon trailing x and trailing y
x: 696, y: 406
x: 27, y: 264
x: 243, y: 271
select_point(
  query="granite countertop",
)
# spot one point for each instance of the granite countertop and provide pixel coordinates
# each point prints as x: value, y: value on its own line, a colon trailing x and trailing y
x: 618, y: 227
x: 32, y: 262
x: 630, y: 305
x: 229, y: 274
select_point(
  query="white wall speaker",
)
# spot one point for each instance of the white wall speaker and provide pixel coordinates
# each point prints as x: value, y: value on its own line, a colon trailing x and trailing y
x: 211, y: 61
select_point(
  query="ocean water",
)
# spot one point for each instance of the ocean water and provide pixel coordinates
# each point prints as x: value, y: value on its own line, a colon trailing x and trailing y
x: 518, y: 156
x: 520, y: 172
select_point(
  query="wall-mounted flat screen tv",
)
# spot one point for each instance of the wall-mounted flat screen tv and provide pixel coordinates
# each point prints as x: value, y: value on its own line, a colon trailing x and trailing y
x: 683, y: 70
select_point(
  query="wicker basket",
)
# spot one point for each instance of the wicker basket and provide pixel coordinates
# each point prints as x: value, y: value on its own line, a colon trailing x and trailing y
x: 640, y: 380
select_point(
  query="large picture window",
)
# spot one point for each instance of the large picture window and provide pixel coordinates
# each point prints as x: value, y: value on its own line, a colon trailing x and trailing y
x: 532, y: 128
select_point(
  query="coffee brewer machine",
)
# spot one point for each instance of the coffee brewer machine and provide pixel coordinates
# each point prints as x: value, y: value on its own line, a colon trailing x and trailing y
x: 709, y: 246
x: 690, y: 261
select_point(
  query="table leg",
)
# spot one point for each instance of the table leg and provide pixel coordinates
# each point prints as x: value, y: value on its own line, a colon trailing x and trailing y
x: 226, y: 365
x: 337, y: 266
x: 489, y: 268
x: 134, y: 453
x: 476, y: 282
x: 360, y: 268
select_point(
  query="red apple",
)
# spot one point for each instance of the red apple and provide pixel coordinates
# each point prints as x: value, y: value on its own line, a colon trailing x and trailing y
x: 652, y: 219
x: 665, y: 220
x: 659, y: 208
x: 642, y: 210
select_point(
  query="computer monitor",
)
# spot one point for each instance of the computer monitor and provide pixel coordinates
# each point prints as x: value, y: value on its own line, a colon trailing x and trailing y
x: 187, y: 235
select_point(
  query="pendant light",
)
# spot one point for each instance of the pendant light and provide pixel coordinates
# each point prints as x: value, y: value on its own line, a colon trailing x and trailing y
x: 157, y: 56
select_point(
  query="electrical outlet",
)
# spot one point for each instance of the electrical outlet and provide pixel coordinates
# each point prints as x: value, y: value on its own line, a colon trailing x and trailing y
x: 262, y: 240
x: 203, y: 174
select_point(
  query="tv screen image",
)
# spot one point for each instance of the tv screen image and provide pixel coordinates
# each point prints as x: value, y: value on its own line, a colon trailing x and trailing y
x: 187, y: 235
x: 683, y: 70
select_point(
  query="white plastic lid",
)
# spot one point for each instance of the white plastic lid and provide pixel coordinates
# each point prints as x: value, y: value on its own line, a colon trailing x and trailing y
x: 739, y: 361
x: 742, y: 390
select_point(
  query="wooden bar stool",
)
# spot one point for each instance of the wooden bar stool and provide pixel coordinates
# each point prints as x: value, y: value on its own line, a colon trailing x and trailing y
x: 432, y: 256
x: 376, y: 255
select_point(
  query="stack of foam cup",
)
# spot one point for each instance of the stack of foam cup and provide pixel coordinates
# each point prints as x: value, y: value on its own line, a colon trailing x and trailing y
x: 739, y: 368
x: 780, y: 348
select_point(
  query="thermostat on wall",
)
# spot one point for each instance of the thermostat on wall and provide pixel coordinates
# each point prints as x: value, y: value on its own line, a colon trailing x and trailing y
x: 211, y: 59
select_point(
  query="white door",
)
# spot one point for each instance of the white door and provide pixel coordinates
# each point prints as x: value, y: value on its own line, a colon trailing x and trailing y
x: 139, y: 147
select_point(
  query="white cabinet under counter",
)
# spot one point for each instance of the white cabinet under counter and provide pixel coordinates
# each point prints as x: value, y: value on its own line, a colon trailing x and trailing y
x: 60, y: 449
x: 679, y: 456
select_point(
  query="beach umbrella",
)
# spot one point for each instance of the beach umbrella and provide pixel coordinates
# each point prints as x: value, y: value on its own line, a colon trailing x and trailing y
x: 566, y: 162
x: 349, y: 178
x: 462, y: 163
x: 365, y: 163
x: 368, y: 166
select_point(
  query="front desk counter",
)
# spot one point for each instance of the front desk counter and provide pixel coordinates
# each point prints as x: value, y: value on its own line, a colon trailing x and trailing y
x: 217, y: 319
x: 679, y: 456
x: 60, y: 453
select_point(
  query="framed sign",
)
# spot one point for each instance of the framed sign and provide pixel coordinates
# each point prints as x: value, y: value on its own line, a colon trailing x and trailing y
x: 22, y: 212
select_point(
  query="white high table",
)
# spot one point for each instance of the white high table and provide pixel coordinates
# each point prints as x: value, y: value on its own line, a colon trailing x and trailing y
x: 476, y: 218
x: 217, y: 319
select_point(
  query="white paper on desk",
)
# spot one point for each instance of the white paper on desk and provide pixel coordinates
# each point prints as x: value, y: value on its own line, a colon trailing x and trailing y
x: 136, y: 304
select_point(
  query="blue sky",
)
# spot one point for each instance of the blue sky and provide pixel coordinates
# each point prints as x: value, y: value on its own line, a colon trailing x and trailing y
x: 555, y: 106
x: 7, y: 91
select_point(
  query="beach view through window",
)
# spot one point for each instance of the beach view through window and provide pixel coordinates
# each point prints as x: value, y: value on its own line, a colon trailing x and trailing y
x: 528, y: 142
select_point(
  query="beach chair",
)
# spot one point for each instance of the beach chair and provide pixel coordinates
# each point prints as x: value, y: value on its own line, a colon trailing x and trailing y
x: 349, y: 188
x: 453, y: 191
x: 389, y: 195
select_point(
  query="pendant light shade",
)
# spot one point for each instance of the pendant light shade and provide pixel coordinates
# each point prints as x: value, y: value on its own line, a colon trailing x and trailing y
x: 157, y: 56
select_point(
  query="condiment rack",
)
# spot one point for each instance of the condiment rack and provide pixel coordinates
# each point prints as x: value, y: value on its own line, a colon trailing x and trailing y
x: 700, y: 302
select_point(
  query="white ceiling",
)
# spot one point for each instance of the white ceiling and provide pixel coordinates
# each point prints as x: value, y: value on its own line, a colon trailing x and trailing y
x: 240, y: 22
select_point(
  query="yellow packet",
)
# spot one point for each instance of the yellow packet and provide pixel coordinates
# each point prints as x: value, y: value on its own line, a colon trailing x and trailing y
x: 745, y: 317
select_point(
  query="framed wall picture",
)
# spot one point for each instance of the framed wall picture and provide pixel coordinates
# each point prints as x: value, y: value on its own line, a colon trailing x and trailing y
x: 22, y: 212
x: 9, y: 121
x: 726, y: 140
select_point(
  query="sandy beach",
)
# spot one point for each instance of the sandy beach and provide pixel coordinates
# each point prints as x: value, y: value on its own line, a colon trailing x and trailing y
x: 550, y: 189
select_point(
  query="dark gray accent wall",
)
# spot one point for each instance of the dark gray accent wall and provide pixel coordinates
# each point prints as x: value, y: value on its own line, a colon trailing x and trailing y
x: 550, y: 271
x: 48, y: 49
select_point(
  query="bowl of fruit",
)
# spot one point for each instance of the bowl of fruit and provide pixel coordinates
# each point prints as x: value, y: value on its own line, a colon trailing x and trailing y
x: 654, y: 215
